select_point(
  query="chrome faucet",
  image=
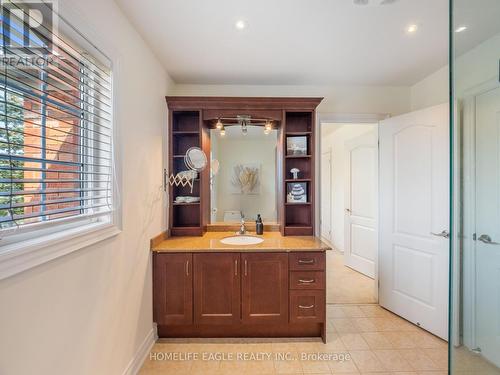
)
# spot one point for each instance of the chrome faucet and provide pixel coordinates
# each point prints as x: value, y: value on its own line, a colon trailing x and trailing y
x: 242, y: 230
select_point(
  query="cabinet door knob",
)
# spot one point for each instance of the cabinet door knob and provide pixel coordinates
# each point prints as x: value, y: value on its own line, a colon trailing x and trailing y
x: 306, y: 307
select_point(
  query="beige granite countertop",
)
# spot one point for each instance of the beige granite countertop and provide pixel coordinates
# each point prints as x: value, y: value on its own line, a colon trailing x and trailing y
x: 210, y: 241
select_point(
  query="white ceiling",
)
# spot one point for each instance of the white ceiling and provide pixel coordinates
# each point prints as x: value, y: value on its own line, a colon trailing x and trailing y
x: 294, y: 41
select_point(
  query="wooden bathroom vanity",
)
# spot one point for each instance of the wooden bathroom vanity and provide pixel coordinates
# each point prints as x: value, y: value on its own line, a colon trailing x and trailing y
x: 203, y: 288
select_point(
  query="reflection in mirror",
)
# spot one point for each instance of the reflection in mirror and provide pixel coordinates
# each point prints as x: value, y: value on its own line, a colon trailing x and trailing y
x: 475, y: 292
x: 246, y: 180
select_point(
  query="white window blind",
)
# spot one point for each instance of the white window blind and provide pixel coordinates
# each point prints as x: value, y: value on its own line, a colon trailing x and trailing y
x: 56, y: 159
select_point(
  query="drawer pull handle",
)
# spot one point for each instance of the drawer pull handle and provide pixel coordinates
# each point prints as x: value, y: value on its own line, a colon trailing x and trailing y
x: 306, y: 261
x: 306, y: 281
x: 306, y: 307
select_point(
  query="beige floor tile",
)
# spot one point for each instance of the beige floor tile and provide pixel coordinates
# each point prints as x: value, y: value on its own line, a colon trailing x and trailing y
x: 401, y: 340
x: 367, y: 361
x: 288, y: 367
x: 346, y: 366
x: 354, y: 341
x: 344, y: 285
x: 315, y: 367
x: 344, y: 325
x: 433, y: 373
x: 438, y: 356
x: 426, y: 340
x: 353, y: 311
x: 392, y: 360
x: 201, y: 367
x: 333, y: 343
x: 418, y: 360
x: 374, y: 311
x: 335, y: 311
x: 377, y: 340
x: 365, y: 324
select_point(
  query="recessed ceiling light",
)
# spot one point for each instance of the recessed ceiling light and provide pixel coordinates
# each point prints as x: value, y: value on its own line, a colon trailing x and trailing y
x: 240, y: 24
x: 411, y: 29
x: 460, y: 29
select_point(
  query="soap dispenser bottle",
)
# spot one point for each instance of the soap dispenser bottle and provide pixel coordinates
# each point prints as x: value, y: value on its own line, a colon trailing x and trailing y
x: 259, y: 226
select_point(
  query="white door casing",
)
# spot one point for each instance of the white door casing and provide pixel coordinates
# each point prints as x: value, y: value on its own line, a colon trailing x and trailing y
x: 414, y: 196
x: 326, y: 196
x: 487, y: 244
x: 360, y: 195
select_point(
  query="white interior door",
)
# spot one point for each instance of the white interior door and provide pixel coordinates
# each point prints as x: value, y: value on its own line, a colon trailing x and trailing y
x: 326, y: 196
x: 487, y: 225
x: 414, y: 195
x: 360, y: 195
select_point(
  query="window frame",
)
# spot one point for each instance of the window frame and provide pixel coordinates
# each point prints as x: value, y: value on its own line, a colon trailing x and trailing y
x: 34, y: 244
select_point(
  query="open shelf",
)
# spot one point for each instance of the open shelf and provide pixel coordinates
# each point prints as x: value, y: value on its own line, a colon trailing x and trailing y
x: 185, y: 133
x: 298, y: 217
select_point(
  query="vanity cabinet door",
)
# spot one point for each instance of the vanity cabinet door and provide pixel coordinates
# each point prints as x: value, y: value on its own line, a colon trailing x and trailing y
x: 217, y: 288
x: 264, y: 288
x: 173, y: 288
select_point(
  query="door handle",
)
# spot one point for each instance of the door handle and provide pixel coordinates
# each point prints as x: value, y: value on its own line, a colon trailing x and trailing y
x: 236, y: 267
x: 348, y: 210
x: 487, y: 240
x: 246, y: 268
x: 443, y: 234
x: 187, y: 267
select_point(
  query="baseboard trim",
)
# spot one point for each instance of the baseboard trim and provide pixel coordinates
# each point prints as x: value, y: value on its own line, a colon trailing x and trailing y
x: 142, y: 352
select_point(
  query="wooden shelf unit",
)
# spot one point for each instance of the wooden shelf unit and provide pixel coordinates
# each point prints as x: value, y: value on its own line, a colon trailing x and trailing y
x: 190, y: 120
x: 298, y: 218
x: 185, y: 131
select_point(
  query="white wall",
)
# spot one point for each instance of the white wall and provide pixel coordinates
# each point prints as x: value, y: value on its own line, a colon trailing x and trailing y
x: 340, y: 99
x: 254, y: 148
x: 335, y: 141
x: 472, y: 68
x: 88, y: 312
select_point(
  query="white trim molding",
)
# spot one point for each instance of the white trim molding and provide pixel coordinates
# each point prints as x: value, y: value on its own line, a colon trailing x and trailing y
x: 141, y: 354
x: 21, y: 256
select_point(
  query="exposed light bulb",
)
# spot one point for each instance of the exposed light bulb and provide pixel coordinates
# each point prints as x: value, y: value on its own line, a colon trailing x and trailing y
x: 412, y: 29
x: 222, y: 131
x: 240, y: 24
x: 268, y: 127
x: 219, y: 124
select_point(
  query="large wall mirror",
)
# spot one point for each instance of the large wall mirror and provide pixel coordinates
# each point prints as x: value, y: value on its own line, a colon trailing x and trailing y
x: 245, y: 183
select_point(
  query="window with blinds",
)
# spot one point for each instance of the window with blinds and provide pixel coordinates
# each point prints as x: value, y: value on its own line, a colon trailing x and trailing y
x: 56, y: 160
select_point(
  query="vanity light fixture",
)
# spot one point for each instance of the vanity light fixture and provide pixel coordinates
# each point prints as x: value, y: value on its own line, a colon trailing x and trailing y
x: 461, y: 29
x: 268, y: 126
x: 222, y: 131
x: 219, y: 125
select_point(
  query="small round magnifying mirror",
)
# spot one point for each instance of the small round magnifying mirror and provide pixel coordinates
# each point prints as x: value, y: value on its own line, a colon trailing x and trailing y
x: 195, y: 159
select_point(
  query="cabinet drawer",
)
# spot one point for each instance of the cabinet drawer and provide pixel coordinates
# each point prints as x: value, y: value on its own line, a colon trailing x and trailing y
x: 307, y: 280
x: 307, y: 261
x: 307, y: 306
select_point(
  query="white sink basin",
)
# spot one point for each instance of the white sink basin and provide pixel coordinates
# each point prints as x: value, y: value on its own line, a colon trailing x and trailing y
x: 241, y: 240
